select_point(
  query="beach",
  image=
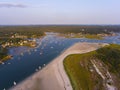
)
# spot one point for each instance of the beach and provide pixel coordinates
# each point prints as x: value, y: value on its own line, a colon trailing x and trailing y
x: 53, y: 75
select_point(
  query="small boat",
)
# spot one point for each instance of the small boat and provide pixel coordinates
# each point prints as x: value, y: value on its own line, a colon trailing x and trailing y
x: 44, y: 65
x: 36, y: 70
x: 35, y: 50
x: 39, y: 67
x: 9, y: 63
x: 21, y: 54
x: 51, y: 47
x: 14, y: 83
x: 3, y: 63
x: 42, y: 48
x: 11, y: 56
x: 41, y: 53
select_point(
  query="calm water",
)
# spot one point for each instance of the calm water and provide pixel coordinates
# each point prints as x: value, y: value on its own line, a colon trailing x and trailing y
x: 27, y: 60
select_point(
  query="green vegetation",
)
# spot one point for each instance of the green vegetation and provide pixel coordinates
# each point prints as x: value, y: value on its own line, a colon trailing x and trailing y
x: 93, y: 36
x: 3, y: 54
x: 80, y: 35
x: 13, y: 40
x: 28, y: 31
x: 88, y: 31
x: 110, y: 55
x: 79, y: 76
x: 7, y: 57
x: 38, y: 30
x: 78, y: 66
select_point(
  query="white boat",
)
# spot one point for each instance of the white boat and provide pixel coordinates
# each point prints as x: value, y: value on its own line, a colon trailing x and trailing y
x: 36, y: 70
x: 41, y: 53
x: 43, y: 64
x: 3, y: 63
x: 51, y: 47
x: 9, y: 63
x: 14, y: 83
x: 21, y: 54
x: 35, y: 50
x: 39, y: 67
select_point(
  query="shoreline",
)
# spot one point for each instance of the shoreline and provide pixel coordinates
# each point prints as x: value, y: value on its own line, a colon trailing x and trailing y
x: 7, y: 57
x: 53, y: 76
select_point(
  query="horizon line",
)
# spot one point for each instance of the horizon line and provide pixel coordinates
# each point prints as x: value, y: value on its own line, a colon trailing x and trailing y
x: 62, y: 25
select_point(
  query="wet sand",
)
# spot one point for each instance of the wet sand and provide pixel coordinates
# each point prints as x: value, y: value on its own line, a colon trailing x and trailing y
x: 53, y: 76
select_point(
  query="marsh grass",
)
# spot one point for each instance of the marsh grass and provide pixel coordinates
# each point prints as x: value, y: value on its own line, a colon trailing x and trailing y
x: 80, y: 77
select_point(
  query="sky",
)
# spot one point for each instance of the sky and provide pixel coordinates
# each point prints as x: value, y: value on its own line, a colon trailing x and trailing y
x: 42, y: 12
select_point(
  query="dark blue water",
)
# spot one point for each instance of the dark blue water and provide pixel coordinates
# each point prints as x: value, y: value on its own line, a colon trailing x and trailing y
x: 27, y: 60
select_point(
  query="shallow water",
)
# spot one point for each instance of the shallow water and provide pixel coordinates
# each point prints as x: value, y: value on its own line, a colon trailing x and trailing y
x: 26, y: 60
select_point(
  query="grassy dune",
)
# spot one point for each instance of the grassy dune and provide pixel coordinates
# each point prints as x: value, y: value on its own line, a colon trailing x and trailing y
x: 79, y: 76
x: 78, y: 67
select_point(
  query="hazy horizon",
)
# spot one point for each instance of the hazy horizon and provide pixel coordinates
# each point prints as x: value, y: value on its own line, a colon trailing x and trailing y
x: 59, y: 12
x: 61, y: 25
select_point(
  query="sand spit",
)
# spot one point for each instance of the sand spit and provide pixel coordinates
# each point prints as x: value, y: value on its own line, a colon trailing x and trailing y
x: 53, y: 76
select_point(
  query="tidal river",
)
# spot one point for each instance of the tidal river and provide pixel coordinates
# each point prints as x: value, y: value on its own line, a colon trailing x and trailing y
x: 27, y: 61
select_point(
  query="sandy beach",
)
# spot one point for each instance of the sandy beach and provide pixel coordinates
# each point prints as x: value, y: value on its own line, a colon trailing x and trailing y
x: 53, y: 76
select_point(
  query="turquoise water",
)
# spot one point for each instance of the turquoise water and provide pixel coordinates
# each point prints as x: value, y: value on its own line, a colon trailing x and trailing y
x: 27, y: 61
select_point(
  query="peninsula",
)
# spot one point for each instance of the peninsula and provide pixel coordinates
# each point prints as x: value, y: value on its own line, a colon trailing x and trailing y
x: 53, y: 76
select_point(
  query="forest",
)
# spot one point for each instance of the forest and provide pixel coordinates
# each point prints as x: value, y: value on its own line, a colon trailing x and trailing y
x: 41, y: 29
